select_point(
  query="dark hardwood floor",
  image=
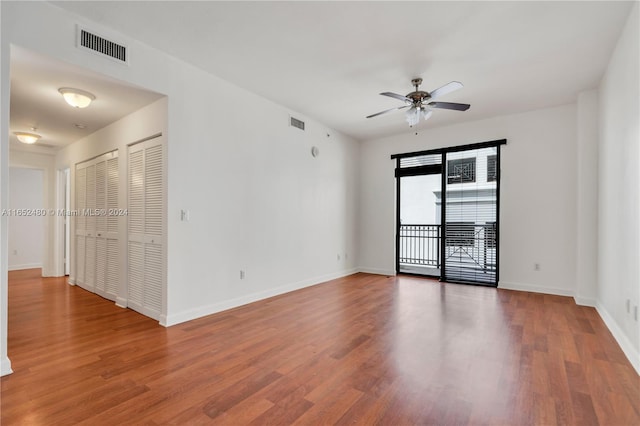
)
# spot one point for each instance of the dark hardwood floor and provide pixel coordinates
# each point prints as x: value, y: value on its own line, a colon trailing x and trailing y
x: 365, y: 349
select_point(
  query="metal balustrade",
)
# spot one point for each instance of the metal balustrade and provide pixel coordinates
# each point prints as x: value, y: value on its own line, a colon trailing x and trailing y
x: 420, y: 245
x: 470, y: 248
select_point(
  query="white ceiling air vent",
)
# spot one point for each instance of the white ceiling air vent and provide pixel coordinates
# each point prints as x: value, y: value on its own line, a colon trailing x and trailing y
x: 94, y: 43
x: 294, y: 122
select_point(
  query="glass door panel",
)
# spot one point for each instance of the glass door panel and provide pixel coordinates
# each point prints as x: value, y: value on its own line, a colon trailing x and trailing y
x: 419, y: 230
x: 470, y: 246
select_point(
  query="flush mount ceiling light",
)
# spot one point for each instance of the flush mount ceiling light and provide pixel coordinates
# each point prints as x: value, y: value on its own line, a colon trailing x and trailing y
x: 76, y: 98
x: 26, y: 137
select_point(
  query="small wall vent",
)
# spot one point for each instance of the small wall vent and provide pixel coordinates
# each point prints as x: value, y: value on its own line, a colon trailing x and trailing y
x: 294, y: 122
x: 100, y: 45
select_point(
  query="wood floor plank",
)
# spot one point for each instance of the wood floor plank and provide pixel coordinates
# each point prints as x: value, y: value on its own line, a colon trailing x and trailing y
x: 364, y: 349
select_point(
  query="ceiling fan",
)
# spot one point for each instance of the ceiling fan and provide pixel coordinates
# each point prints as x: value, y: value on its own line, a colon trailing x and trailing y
x: 419, y: 102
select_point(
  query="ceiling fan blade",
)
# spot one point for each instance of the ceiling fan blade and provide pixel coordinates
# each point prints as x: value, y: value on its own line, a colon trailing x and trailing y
x: 447, y: 88
x: 396, y: 96
x: 386, y: 111
x: 450, y: 105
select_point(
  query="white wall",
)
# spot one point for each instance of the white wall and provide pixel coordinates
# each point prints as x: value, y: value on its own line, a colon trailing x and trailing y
x: 5, y: 84
x: 26, y: 232
x: 258, y: 200
x: 587, y: 198
x: 538, y: 195
x: 619, y: 192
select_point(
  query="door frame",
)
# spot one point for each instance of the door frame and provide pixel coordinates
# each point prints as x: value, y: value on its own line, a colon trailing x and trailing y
x: 441, y: 168
x: 428, y: 170
x: 63, y: 223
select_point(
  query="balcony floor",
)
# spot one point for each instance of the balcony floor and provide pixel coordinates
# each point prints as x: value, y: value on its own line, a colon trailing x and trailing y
x: 429, y: 271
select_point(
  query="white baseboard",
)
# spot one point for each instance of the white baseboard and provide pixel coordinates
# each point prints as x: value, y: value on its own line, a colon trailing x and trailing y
x: 71, y: 280
x: 534, y: 288
x: 625, y: 344
x: 25, y: 266
x: 191, y: 314
x: 163, y: 320
x: 585, y: 301
x: 5, y: 366
x: 377, y: 271
x: 121, y: 302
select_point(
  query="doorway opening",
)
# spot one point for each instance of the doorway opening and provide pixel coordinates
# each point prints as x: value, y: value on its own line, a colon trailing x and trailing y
x: 26, y: 218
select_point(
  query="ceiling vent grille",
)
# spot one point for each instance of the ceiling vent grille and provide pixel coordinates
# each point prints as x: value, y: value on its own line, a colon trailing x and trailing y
x: 294, y: 122
x: 97, y: 44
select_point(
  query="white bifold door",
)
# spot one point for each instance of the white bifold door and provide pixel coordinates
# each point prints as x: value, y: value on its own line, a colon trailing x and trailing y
x: 145, y: 268
x: 96, y: 225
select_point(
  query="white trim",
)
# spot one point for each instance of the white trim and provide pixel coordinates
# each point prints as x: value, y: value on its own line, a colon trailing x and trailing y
x: 535, y: 288
x: 121, y: 302
x: 25, y: 266
x: 71, y: 281
x: 625, y: 344
x: 585, y: 301
x: 377, y: 271
x: 5, y: 366
x: 202, y: 311
x: 59, y: 234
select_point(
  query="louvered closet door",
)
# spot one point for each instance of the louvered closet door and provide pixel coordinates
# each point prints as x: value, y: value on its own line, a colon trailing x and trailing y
x: 80, y: 223
x: 96, y: 231
x: 90, y: 239
x: 136, y: 227
x: 106, y: 232
x: 101, y: 228
x: 146, y: 217
x: 111, y: 224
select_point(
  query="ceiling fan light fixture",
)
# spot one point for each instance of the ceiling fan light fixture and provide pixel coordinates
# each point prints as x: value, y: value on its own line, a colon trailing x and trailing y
x: 26, y: 137
x: 76, y: 98
x: 419, y: 102
x: 413, y: 114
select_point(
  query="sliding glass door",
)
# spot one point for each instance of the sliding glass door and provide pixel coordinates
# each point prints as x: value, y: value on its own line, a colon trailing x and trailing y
x: 447, y: 213
x: 470, y: 245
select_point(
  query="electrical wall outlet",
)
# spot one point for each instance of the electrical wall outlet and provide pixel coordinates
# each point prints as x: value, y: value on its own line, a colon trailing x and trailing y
x: 241, y: 274
x: 536, y: 266
x: 628, y: 305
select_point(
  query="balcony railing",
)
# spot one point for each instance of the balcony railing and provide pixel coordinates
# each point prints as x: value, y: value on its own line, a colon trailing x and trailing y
x: 468, y: 245
x: 420, y: 245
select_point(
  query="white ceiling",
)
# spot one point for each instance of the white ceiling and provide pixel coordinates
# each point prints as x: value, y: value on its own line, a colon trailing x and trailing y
x: 329, y: 60
x: 36, y: 102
